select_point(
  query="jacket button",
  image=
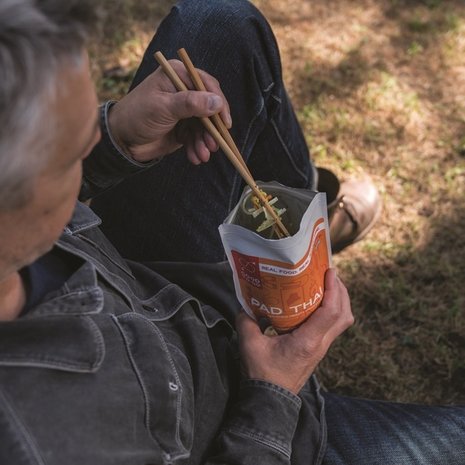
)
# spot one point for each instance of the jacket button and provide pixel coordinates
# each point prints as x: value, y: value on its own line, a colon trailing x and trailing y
x: 173, y: 386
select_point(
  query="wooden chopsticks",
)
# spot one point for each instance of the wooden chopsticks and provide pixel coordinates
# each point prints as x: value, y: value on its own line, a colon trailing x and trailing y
x: 218, y: 122
x: 219, y: 132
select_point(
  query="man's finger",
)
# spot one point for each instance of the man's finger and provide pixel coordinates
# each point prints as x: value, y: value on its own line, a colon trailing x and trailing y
x: 201, y: 149
x: 191, y: 154
x: 211, y: 84
x: 331, y: 288
x: 330, y: 279
x: 210, y: 142
x: 333, y: 316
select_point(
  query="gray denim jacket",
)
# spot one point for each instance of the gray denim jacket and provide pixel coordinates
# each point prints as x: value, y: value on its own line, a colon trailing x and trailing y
x: 122, y: 366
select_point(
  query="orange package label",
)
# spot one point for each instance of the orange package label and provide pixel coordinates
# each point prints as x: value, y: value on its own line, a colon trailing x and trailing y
x: 285, y: 293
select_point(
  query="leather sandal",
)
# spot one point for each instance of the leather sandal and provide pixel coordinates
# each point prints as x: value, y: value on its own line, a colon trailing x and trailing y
x: 354, y: 206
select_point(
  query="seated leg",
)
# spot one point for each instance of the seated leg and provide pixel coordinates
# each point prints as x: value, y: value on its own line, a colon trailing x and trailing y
x: 366, y: 432
x: 173, y: 210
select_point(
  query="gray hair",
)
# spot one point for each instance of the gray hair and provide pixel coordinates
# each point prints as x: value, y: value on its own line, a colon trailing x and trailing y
x: 36, y: 38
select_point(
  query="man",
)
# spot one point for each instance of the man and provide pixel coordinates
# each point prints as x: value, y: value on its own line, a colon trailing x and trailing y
x: 103, y: 360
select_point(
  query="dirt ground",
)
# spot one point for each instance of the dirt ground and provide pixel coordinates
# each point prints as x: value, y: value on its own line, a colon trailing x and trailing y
x: 379, y: 88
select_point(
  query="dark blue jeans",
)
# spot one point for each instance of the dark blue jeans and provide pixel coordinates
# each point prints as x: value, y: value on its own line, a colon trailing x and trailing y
x: 172, y: 211
x: 367, y: 432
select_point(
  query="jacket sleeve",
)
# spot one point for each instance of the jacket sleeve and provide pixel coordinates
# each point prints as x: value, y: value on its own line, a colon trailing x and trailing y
x: 260, y: 427
x: 107, y: 165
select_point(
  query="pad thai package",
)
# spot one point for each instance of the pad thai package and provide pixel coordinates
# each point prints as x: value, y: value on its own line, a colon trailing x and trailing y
x: 281, y: 279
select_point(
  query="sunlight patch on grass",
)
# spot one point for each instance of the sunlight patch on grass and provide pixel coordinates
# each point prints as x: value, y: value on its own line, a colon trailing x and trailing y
x: 415, y: 48
x: 453, y: 45
x: 387, y: 249
x: 388, y: 94
x: 455, y: 179
x: 325, y: 116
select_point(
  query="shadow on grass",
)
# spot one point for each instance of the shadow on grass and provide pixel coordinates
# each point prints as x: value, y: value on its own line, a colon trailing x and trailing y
x: 336, y: 81
x: 422, y: 27
x: 409, y: 340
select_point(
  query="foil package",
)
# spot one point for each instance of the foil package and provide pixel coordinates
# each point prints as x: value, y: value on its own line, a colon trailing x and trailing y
x: 281, y: 280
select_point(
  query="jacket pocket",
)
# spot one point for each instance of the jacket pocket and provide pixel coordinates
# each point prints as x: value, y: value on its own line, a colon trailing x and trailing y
x: 60, y: 342
x: 166, y: 381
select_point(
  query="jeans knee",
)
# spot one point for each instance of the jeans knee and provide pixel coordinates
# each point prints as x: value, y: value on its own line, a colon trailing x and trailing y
x: 237, y: 10
x: 225, y: 20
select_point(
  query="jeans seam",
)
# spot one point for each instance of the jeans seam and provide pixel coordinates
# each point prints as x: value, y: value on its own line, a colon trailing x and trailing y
x: 323, y: 426
x: 232, y: 199
x: 236, y: 180
x: 286, y: 150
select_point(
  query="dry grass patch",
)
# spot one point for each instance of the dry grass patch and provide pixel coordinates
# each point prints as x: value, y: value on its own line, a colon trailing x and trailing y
x: 127, y: 27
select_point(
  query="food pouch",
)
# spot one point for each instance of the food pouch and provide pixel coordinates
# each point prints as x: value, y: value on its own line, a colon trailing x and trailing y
x: 279, y: 279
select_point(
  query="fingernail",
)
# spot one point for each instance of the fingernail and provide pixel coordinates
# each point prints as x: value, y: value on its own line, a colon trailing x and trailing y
x: 228, y: 121
x: 214, y: 103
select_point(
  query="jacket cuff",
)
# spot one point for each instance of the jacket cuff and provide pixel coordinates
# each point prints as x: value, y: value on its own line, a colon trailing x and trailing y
x: 110, y: 143
x: 268, y: 415
x: 107, y: 165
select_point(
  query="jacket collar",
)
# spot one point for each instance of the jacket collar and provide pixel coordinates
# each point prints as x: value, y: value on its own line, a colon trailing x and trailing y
x: 83, y: 218
x: 81, y: 295
x: 59, y: 333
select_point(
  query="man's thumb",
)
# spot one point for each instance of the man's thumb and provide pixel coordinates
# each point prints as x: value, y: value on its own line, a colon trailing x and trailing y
x: 195, y: 103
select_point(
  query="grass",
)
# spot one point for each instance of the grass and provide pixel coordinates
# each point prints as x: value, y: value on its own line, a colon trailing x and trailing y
x: 379, y: 89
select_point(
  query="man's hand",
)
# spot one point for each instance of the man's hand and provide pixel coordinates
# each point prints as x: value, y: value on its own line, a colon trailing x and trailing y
x: 154, y: 119
x: 290, y: 359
